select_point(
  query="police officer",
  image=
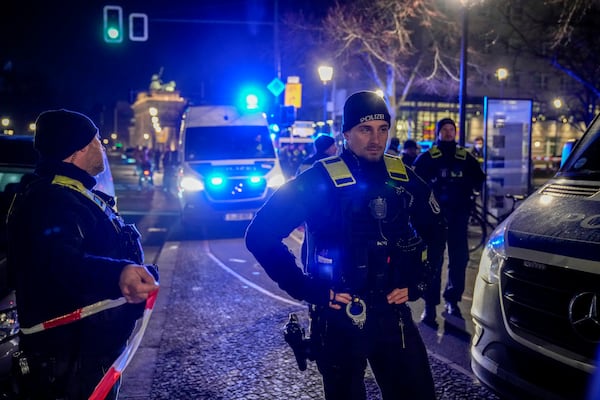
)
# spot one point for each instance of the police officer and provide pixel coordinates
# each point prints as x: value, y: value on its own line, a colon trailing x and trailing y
x: 368, y: 218
x: 67, y: 250
x: 454, y: 175
x: 324, y: 147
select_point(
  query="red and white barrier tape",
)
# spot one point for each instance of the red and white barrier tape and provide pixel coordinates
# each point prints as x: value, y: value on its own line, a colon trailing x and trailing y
x: 75, y: 315
x: 117, y: 368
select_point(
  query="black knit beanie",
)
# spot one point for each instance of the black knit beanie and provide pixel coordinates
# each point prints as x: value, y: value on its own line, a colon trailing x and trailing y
x: 323, y: 142
x: 60, y: 133
x: 362, y: 107
x: 443, y: 122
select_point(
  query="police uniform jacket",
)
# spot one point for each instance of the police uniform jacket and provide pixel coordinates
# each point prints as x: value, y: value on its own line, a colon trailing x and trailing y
x: 67, y: 254
x: 453, y: 173
x: 351, y: 229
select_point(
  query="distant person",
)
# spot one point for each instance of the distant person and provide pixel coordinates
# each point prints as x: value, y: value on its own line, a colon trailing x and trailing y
x: 410, y: 151
x: 324, y: 146
x: 68, y: 249
x: 454, y: 174
x: 477, y: 149
x: 170, y: 162
x: 393, y: 147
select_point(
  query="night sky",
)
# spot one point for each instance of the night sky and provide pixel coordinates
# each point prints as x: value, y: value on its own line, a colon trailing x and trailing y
x: 53, y: 53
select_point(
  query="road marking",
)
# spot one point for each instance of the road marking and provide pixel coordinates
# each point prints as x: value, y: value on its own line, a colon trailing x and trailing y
x: 249, y: 283
x: 152, y: 229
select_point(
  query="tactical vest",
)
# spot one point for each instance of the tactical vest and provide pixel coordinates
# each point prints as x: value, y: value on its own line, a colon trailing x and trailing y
x: 129, y: 236
x: 451, y: 179
x: 348, y: 266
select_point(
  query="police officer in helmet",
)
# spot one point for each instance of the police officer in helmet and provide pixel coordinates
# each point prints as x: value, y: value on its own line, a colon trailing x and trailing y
x: 371, y: 223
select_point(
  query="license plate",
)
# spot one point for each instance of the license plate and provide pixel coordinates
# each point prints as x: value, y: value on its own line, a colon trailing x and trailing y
x: 238, y: 216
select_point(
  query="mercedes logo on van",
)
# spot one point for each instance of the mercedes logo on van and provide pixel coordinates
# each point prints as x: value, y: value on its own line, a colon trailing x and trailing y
x: 584, y: 317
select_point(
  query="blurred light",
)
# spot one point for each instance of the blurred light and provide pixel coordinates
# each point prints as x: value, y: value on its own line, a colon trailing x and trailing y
x: 252, y: 102
x: 251, y: 98
x: 557, y: 103
x: 379, y: 93
x: 217, y: 180
x: 32, y: 126
x: 255, y: 179
x: 325, y: 73
x: 146, y: 136
x: 113, y: 24
x: 5, y: 121
x: 275, y: 181
x: 113, y: 136
x: 191, y: 184
x: 501, y: 73
x: 153, y: 111
x: 274, y: 128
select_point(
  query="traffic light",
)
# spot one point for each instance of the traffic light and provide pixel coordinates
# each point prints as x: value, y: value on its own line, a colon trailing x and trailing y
x: 138, y: 27
x: 113, y: 24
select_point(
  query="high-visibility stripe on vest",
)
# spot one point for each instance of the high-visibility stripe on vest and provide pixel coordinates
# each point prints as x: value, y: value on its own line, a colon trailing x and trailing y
x: 338, y: 171
x: 341, y: 176
x: 460, y: 154
x: 74, y: 184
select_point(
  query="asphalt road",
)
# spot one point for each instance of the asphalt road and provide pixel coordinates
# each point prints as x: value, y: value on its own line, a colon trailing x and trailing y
x: 215, y: 332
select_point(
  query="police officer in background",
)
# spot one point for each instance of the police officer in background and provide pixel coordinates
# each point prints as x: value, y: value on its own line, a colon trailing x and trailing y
x: 68, y: 249
x: 368, y: 221
x: 454, y: 174
x: 324, y: 147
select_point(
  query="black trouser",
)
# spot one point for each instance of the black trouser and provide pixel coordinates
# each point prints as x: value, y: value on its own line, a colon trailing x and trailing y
x: 53, y: 378
x: 458, y: 256
x: 396, y: 354
x: 458, y: 259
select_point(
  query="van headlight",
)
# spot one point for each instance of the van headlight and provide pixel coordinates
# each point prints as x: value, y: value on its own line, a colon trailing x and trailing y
x: 493, y: 256
x: 191, y: 184
x: 275, y: 181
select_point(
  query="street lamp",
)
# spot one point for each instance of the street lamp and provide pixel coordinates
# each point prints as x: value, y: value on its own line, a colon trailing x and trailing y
x: 502, y: 75
x: 325, y: 73
x: 462, y: 95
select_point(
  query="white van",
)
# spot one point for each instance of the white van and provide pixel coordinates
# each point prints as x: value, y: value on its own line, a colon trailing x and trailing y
x: 229, y: 166
x: 536, y: 303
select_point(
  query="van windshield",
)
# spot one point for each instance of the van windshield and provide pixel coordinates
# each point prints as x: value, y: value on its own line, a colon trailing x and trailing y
x: 228, y: 142
x: 585, y: 159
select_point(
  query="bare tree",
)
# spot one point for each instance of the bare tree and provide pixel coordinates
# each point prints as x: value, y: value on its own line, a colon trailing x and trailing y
x: 402, y: 44
x: 564, y: 34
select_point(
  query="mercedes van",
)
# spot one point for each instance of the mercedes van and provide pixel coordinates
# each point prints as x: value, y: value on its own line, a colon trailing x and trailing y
x: 536, y: 302
x: 229, y: 166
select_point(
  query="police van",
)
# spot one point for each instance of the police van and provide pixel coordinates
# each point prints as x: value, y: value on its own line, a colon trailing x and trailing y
x: 229, y: 166
x: 536, y: 302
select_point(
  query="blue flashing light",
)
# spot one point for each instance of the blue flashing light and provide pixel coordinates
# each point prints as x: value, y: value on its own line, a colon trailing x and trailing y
x: 217, y: 180
x: 274, y: 128
x: 252, y: 102
x: 255, y: 180
x: 252, y: 98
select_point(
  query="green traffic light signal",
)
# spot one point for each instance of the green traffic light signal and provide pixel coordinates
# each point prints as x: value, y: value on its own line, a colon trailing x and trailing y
x: 113, y: 24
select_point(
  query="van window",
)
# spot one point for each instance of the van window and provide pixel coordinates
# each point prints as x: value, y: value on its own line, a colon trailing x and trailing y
x: 228, y: 142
